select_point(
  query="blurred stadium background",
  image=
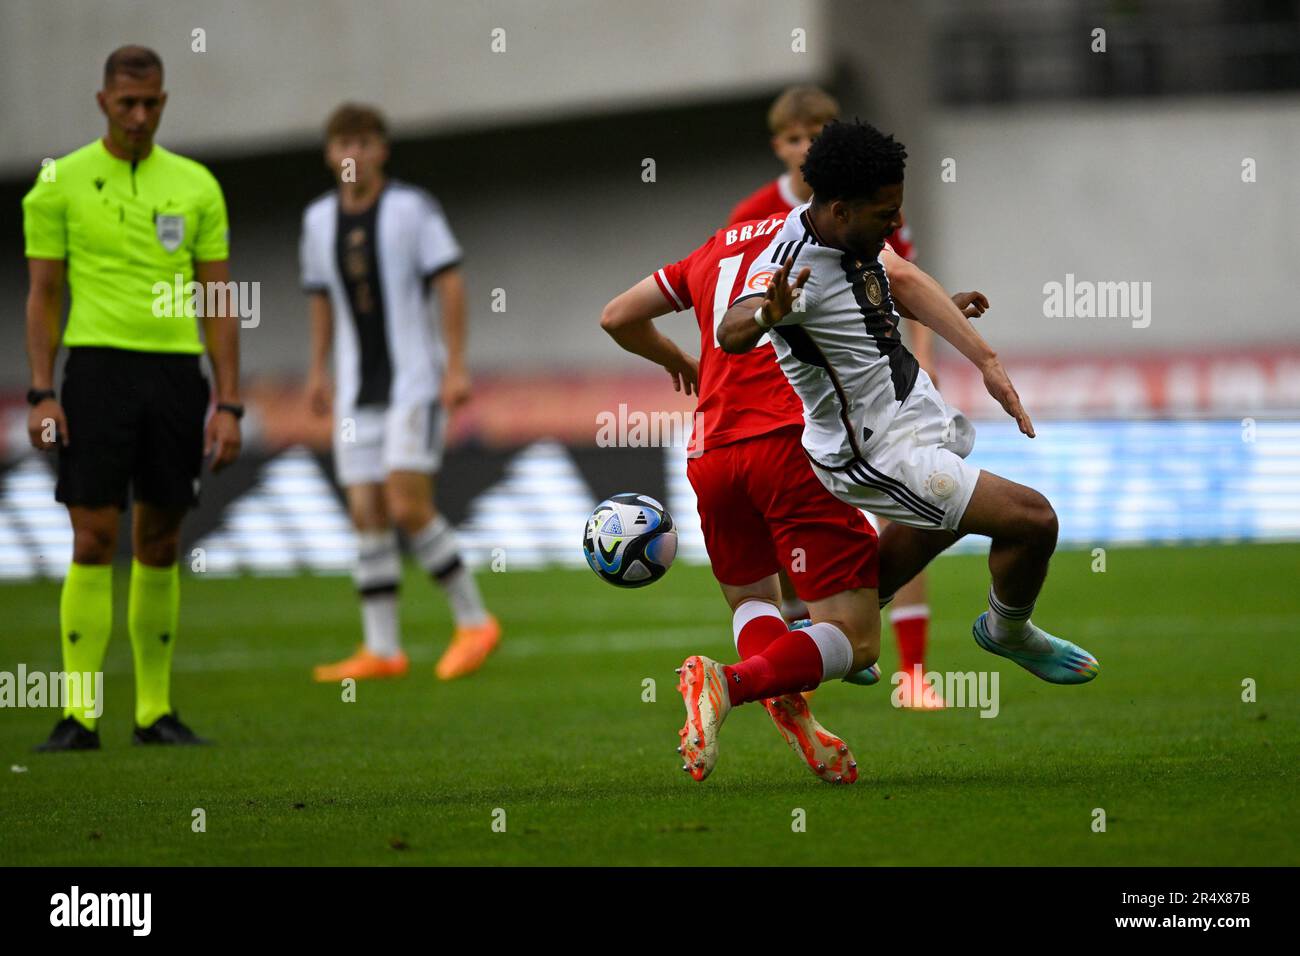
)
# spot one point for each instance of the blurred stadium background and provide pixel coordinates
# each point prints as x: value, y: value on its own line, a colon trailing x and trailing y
x: 1168, y: 159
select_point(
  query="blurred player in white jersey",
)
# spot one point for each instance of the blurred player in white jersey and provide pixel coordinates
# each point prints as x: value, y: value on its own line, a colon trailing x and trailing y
x: 371, y: 252
x: 878, y: 433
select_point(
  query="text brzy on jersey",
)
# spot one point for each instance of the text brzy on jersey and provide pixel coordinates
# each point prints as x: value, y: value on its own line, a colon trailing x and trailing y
x: 840, y: 348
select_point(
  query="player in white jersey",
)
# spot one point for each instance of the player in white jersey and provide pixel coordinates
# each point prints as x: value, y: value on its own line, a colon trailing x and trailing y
x: 371, y: 252
x: 877, y: 431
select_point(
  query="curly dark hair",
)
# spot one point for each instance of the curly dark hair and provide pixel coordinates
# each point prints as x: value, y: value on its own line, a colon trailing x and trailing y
x: 852, y: 161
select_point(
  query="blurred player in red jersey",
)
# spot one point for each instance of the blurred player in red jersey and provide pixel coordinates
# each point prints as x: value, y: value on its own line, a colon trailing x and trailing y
x: 795, y: 119
x: 761, y: 509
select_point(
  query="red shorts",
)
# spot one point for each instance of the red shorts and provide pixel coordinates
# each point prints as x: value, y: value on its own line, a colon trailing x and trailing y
x: 762, y: 508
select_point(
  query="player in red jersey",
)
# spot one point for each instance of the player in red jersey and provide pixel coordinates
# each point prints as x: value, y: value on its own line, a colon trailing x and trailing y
x: 761, y: 509
x: 795, y: 119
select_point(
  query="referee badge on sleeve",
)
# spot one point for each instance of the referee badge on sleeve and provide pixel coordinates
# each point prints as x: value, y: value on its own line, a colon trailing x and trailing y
x: 171, y: 231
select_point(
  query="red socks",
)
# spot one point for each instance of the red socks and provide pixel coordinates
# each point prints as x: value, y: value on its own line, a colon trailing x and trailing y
x: 791, y: 663
x: 911, y: 623
x: 776, y: 660
x: 757, y: 628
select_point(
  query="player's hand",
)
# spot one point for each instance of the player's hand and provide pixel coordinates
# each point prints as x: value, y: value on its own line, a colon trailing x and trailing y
x: 685, y: 372
x: 779, y: 299
x: 47, y: 425
x: 972, y: 304
x: 999, y: 386
x: 318, y: 395
x: 455, y: 388
x: 221, y: 439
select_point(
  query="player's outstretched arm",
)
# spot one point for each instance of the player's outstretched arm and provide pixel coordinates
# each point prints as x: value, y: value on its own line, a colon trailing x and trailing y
x: 921, y: 343
x: 629, y: 320
x: 744, y: 324
x: 972, y: 305
x: 927, y: 301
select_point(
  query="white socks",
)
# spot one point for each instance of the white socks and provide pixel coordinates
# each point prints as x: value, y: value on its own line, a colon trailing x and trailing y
x: 379, y: 569
x: 436, y: 549
x: 376, y: 575
x: 1009, y: 625
x: 836, y: 651
x: 379, y: 624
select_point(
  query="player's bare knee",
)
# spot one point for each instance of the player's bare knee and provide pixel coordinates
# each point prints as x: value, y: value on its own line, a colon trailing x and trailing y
x: 866, y: 649
x: 1042, y: 522
x: 864, y: 638
x: 159, y: 551
x: 156, y: 546
x: 410, y: 515
x: 94, y: 543
x: 368, y: 518
x: 766, y: 591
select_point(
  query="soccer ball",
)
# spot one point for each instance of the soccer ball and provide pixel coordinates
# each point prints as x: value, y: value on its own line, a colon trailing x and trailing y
x: 630, y: 540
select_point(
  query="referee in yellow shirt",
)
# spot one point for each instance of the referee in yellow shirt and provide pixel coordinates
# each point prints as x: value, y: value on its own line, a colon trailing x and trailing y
x: 111, y: 222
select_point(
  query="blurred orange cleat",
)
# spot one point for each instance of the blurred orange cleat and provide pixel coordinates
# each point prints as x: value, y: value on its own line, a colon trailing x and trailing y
x: 470, y: 647
x: 363, y: 665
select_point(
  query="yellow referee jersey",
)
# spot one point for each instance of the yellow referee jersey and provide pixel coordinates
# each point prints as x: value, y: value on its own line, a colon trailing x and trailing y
x: 123, y: 228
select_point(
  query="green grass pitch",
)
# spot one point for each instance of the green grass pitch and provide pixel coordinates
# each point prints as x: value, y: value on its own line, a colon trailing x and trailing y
x: 555, y: 733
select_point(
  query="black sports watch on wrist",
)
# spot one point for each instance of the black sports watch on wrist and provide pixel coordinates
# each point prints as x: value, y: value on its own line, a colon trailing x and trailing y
x: 232, y: 408
x: 37, y: 395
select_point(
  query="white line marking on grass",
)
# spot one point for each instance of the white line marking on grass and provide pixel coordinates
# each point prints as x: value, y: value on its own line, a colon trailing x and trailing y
x: 606, y: 642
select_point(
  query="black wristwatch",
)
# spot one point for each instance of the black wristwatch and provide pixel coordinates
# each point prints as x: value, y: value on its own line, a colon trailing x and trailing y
x: 236, y: 410
x: 37, y: 395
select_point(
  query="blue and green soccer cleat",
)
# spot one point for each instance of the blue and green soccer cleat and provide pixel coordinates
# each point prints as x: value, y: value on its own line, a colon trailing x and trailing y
x: 1060, y: 662
x: 865, y: 677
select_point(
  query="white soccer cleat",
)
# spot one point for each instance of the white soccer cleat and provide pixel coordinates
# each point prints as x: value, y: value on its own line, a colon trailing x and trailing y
x: 703, y: 687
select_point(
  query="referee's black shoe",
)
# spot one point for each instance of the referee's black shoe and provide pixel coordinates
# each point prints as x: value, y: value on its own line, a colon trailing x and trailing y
x: 69, y: 734
x: 168, y: 729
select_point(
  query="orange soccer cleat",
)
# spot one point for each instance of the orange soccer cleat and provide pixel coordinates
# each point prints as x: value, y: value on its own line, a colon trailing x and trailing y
x: 703, y: 686
x: 363, y: 665
x: 827, y: 755
x: 470, y: 647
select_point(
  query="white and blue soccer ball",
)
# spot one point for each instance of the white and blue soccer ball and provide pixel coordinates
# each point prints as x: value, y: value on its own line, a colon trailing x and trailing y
x: 630, y: 540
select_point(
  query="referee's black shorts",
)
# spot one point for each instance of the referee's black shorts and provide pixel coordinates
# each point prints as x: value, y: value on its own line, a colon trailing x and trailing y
x: 135, y: 420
